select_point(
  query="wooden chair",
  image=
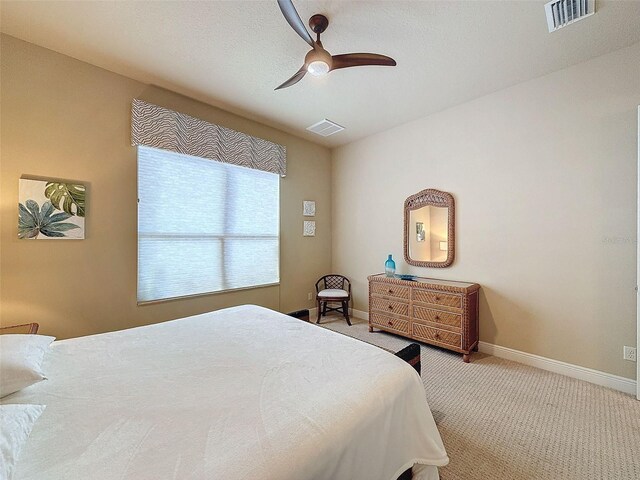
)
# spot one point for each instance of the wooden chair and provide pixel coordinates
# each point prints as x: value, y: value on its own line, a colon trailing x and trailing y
x: 333, y: 289
x: 27, y: 328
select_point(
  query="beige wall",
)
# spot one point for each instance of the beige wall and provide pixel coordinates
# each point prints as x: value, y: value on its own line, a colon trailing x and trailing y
x: 544, y: 177
x: 62, y: 118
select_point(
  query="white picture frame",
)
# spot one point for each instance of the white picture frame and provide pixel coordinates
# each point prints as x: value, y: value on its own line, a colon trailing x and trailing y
x: 309, y: 228
x: 309, y: 208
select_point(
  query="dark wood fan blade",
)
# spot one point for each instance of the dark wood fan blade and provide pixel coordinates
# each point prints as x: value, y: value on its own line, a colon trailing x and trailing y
x: 292, y: 17
x: 295, y: 79
x: 361, y: 59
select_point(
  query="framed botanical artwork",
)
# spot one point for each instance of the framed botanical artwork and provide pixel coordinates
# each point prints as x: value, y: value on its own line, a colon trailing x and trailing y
x: 50, y: 210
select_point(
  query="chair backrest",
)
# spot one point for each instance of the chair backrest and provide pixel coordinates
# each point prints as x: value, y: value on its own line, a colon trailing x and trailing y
x: 336, y: 281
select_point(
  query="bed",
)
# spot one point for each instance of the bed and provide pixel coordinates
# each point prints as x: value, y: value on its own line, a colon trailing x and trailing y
x: 240, y: 393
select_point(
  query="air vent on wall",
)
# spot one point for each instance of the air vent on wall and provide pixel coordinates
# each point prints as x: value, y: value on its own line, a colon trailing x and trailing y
x: 561, y: 13
x: 325, y: 128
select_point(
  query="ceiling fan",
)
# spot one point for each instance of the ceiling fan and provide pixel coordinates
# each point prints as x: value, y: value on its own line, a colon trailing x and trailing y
x: 318, y: 61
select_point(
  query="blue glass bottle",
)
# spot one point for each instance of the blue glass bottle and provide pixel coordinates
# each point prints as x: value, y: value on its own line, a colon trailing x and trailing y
x: 390, y: 267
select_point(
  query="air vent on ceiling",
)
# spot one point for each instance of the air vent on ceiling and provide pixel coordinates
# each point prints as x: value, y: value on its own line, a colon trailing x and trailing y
x: 325, y: 128
x: 561, y: 13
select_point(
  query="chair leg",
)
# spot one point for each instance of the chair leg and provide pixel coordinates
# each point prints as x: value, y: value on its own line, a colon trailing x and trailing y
x: 319, y: 311
x: 324, y: 308
x: 345, y: 310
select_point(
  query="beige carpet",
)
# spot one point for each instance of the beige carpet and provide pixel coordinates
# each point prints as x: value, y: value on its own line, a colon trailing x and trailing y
x: 501, y: 420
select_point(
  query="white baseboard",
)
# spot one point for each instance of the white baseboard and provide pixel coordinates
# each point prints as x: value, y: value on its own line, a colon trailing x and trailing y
x: 360, y: 314
x: 604, y: 379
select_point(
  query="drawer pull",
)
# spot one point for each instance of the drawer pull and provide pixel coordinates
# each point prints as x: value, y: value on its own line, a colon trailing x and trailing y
x: 437, y: 335
x: 437, y: 317
x: 391, y: 324
x: 437, y: 299
x: 390, y: 307
x: 390, y: 291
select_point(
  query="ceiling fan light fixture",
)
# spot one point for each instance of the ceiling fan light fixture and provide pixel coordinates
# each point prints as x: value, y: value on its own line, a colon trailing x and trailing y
x: 318, y: 61
x: 318, y: 68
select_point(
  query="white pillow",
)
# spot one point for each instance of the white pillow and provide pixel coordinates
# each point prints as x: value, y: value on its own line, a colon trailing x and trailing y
x: 20, y: 359
x: 16, y: 422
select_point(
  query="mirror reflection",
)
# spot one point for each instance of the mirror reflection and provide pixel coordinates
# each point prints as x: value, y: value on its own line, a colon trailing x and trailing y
x: 427, y: 235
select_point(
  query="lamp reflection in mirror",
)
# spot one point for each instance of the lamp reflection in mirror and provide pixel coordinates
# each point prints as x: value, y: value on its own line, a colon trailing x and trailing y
x: 443, y: 246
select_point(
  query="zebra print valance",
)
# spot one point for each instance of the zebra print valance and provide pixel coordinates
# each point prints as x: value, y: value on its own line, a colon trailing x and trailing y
x: 160, y: 127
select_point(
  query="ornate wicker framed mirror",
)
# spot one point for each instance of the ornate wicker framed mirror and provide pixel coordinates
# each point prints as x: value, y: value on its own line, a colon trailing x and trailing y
x: 429, y: 229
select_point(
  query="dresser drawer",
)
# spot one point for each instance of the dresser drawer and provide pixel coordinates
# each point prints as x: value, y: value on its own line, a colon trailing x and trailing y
x: 429, y: 334
x: 389, y: 323
x: 390, y: 290
x: 437, y: 298
x: 389, y: 306
x: 437, y: 316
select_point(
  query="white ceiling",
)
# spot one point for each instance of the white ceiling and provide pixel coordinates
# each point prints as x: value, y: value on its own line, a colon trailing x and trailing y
x: 233, y: 54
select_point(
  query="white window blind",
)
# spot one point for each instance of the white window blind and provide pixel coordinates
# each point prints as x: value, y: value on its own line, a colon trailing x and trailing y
x: 204, y: 226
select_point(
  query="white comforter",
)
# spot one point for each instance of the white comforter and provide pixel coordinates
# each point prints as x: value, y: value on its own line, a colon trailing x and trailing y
x: 241, y: 393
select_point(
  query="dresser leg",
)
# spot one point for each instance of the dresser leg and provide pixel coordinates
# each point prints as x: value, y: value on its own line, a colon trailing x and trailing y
x: 370, y: 328
x: 466, y: 357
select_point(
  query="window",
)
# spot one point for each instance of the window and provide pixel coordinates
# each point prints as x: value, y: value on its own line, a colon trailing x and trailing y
x: 204, y: 226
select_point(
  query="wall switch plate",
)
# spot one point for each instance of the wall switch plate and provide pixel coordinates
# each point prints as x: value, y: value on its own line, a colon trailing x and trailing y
x: 629, y: 353
x: 309, y: 296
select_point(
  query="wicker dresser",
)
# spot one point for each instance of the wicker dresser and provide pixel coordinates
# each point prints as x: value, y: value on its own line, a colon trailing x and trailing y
x: 438, y: 312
